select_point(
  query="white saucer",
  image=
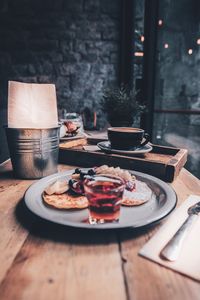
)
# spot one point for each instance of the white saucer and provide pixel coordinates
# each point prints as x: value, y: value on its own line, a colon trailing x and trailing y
x: 106, y: 147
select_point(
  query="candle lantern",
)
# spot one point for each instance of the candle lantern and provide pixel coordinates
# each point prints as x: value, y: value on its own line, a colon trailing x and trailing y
x: 32, y: 131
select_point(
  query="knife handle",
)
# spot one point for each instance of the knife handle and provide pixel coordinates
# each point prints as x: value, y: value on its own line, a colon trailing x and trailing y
x: 172, y: 249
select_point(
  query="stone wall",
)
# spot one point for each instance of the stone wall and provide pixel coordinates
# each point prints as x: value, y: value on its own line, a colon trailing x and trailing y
x: 72, y: 43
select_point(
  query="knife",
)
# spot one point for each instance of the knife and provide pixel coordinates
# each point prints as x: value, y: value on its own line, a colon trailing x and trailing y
x: 173, y: 248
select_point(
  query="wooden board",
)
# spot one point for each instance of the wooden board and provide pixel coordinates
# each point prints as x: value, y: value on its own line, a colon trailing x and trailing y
x: 41, y: 260
x: 146, y: 279
x: 162, y: 162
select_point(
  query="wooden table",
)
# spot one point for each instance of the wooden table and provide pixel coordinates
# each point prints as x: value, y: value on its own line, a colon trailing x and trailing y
x: 42, y: 260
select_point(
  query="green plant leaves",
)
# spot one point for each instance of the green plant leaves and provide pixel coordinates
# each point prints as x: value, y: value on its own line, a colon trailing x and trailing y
x: 121, y: 101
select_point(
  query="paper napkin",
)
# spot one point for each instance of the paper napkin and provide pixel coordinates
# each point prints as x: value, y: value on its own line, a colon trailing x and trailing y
x: 188, y: 262
x: 32, y: 105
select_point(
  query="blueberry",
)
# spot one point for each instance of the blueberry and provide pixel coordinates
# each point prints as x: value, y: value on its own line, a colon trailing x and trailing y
x: 91, y: 172
x: 82, y: 175
x: 71, y: 182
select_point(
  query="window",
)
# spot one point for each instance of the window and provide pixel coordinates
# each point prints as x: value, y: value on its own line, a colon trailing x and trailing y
x: 167, y: 68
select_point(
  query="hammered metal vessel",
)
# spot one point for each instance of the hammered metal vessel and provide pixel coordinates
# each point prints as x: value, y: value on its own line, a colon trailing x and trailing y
x: 33, y: 152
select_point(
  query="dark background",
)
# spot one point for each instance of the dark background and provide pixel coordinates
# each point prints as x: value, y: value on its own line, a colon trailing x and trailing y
x: 71, y: 43
x: 84, y: 46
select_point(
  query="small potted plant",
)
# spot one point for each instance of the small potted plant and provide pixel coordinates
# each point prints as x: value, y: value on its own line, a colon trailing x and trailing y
x: 121, y: 106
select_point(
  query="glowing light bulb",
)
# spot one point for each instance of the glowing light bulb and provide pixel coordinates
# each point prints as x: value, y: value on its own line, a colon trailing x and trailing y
x: 141, y: 54
x: 190, y: 51
x: 166, y: 46
x: 198, y: 42
x: 160, y: 22
x: 142, y: 38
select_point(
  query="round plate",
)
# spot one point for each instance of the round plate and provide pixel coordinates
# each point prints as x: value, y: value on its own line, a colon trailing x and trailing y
x: 74, y: 137
x: 162, y: 202
x: 106, y: 147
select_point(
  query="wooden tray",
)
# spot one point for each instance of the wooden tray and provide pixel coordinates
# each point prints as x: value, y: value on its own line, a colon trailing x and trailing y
x: 162, y: 162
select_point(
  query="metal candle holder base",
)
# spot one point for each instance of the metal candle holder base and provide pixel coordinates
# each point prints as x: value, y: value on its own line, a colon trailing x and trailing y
x: 34, y: 152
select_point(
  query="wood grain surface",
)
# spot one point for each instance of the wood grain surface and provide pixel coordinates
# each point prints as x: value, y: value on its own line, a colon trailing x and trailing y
x: 42, y: 260
x: 162, y: 162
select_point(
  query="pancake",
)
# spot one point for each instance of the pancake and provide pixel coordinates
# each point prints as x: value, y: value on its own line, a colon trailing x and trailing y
x: 65, y: 201
x: 141, y: 195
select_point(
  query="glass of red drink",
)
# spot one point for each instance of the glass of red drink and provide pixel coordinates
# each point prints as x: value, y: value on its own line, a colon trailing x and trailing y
x: 104, y: 194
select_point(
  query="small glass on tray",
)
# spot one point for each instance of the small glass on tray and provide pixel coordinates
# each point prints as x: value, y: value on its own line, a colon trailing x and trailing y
x: 72, y: 123
x: 104, y: 194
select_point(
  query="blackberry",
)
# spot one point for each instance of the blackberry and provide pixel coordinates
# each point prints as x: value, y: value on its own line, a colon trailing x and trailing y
x: 76, y: 186
x: 91, y: 172
x: 71, y: 182
x: 82, y: 175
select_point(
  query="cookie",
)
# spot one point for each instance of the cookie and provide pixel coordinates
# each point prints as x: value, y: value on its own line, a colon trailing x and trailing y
x: 65, y: 201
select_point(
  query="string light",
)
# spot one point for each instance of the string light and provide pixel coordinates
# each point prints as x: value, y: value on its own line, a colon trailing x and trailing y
x: 190, y: 51
x: 142, y: 38
x: 139, y: 54
x: 160, y: 22
x: 166, y: 46
x: 198, y: 42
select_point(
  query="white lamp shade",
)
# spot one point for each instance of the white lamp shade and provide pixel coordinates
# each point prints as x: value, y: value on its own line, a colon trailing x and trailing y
x: 32, y: 105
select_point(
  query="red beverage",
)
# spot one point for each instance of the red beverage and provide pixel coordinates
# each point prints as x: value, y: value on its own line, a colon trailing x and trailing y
x: 104, y: 194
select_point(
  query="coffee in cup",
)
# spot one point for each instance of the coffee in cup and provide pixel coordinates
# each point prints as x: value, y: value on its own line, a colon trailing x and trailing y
x: 127, y: 138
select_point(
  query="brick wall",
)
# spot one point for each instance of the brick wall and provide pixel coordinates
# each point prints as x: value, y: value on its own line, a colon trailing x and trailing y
x: 72, y: 43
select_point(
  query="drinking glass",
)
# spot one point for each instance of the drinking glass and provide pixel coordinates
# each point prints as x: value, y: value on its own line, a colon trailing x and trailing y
x: 75, y: 119
x: 73, y: 123
x: 104, y: 194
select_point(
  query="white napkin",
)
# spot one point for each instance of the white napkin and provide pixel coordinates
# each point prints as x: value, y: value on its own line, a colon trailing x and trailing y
x: 92, y: 148
x: 32, y: 105
x: 188, y: 262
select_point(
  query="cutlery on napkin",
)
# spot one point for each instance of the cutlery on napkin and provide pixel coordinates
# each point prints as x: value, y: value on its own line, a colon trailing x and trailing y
x: 172, y: 250
x: 188, y: 261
